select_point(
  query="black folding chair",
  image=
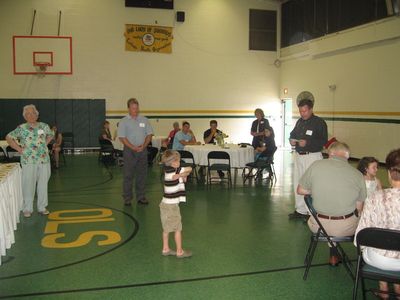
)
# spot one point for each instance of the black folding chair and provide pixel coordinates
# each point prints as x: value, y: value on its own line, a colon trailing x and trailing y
x: 322, y: 236
x: 3, y: 155
x: 106, y: 154
x: 187, y: 160
x: 262, y: 163
x: 379, y: 238
x: 218, y: 166
x: 61, y: 154
x: 13, y: 155
x: 68, y: 142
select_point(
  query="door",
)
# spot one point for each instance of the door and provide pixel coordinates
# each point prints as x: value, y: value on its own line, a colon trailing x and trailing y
x: 287, y: 121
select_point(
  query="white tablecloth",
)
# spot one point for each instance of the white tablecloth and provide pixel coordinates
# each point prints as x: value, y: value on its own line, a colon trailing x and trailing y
x: 3, y: 144
x: 239, y: 156
x: 10, y: 204
x: 156, y: 142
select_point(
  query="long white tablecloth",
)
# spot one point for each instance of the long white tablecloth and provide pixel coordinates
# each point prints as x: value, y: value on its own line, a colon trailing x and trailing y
x: 10, y: 204
x: 239, y: 156
x: 3, y: 144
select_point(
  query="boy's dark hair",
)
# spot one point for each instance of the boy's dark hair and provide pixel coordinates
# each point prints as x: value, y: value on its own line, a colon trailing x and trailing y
x: 305, y: 102
x: 213, y: 122
x: 364, y: 163
x: 185, y: 123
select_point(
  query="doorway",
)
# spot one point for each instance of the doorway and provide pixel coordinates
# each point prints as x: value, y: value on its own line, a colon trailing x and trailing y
x: 287, y: 121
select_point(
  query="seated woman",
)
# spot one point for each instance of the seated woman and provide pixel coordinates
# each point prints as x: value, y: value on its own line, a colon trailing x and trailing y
x: 267, y: 146
x: 167, y: 143
x: 56, y: 145
x: 105, y: 132
x: 382, y: 210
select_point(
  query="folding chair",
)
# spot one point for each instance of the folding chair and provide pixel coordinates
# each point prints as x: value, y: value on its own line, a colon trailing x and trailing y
x: 3, y: 155
x: 68, y: 142
x: 187, y: 160
x: 13, y: 155
x: 106, y: 154
x: 61, y: 154
x: 322, y: 236
x: 219, y: 155
x: 262, y: 163
x: 380, y: 238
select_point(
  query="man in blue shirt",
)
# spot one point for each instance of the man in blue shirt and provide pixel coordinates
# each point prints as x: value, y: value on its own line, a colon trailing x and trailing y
x: 184, y: 137
x: 135, y: 133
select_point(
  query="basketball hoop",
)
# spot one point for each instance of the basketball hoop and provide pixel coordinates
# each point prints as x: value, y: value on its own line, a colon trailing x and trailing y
x: 41, y: 68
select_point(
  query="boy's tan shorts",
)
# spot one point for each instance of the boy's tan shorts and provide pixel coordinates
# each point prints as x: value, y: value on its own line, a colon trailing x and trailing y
x: 170, y: 217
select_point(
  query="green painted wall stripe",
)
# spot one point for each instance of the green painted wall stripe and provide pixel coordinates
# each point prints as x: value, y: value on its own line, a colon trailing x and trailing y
x: 341, y: 119
x: 363, y: 120
x: 193, y: 117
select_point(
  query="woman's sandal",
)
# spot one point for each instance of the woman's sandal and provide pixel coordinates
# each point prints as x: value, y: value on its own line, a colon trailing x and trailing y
x: 169, y: 253
x: 185, y: 254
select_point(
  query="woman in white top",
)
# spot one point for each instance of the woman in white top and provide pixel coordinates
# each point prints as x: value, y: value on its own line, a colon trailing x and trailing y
x: 368, y: 166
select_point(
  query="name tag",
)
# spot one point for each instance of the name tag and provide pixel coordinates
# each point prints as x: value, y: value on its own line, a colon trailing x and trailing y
x: 309, y: 132
x: 262, y: 122
x: 142, y: 125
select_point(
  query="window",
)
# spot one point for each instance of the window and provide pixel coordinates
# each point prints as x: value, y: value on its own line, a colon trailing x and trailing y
x: 262, y: 35
x: 303, y: 20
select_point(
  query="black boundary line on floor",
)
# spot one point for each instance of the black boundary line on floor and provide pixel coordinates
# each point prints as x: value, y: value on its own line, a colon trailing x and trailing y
x: 135, y: 231
x: 110, y: 174
x: 85, y: 187
x: 156, y: 283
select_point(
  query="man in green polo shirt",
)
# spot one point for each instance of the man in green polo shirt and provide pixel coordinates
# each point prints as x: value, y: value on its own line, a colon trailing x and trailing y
x: 338, y: 192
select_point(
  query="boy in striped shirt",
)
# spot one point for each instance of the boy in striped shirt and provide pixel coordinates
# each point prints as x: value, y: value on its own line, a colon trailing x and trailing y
x: 174, y: 193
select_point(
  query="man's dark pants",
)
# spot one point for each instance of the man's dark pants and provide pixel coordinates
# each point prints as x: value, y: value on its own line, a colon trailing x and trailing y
x: 135, y: 164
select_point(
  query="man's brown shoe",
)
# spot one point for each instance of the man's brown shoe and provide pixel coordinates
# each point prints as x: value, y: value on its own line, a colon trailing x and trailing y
x: 334, y: 260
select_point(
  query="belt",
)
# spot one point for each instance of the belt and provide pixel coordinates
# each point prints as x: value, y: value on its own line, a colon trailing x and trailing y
x: 305, y: 152
x: 334, y: 217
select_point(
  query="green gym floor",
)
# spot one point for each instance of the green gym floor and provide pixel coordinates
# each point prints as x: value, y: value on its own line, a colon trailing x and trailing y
x: 92, y: 247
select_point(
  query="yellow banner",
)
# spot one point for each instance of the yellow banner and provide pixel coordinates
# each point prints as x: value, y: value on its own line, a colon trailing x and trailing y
x: 148, y: 38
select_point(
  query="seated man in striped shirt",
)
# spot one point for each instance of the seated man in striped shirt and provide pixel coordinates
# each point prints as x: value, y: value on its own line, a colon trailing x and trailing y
x: 174, y: 193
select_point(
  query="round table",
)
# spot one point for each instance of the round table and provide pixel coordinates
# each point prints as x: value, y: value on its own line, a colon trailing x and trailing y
x: 239, y: 156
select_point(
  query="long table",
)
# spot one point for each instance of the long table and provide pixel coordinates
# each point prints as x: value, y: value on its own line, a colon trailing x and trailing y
x: 10, y: 204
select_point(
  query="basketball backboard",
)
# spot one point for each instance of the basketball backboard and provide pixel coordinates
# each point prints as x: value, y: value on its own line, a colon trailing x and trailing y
x: 42, y: 55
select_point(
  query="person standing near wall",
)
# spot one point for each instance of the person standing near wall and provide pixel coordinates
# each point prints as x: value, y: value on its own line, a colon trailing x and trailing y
x: 135, y: 133
x: 258, y: 128
x: 308, y: 137
x: 30, y: 140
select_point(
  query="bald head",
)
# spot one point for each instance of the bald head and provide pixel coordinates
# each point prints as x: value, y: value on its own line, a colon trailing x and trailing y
x: 339, y: 149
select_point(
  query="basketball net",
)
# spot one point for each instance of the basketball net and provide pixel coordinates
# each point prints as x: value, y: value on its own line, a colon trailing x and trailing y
x: 41, y: 70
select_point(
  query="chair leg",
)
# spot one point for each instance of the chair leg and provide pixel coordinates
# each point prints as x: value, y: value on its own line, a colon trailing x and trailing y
x: 346, y: 261
x: 245, y: 177
x: 363, y: 288
x: 308, y: 251
x: 355, y: 288
x: 310, y: 257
